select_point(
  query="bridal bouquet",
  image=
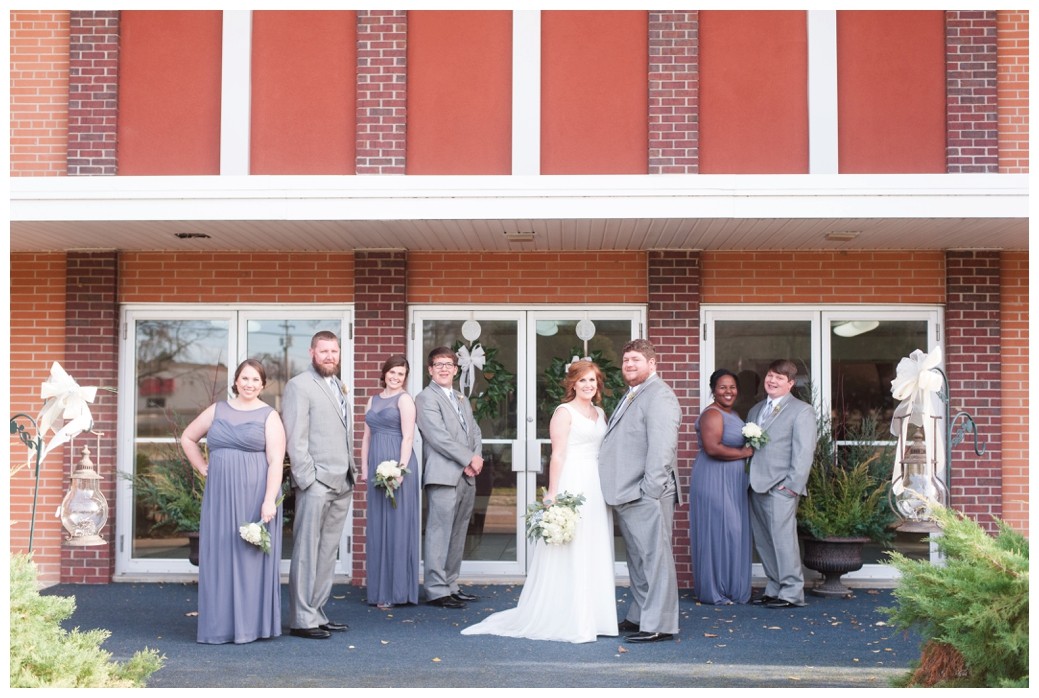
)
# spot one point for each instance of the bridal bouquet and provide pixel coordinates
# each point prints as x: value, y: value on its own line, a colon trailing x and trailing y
x: 554, y: 523
x: 257, y: 532
x: 756, y: 436
x: 389, y: 475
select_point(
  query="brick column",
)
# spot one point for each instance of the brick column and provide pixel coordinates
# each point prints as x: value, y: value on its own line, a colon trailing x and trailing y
x: 973, y: 364
x: 380, y: 329
x: 93, y: 88
x: 92, y: 358
x: 674, y: 93
x: 382, y: 107
x: 674, y: 329
x: 972, y: 138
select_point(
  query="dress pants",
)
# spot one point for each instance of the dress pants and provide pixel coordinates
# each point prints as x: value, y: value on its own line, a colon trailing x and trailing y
x: 448, y: 510
x: 316, y: 530
x: 773, y: 518
x: 646, y: 526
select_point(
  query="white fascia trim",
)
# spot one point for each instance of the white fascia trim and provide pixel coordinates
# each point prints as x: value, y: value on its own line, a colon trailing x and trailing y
x: 546, y: 196
x: 526, y: 92
x: 822, y: 92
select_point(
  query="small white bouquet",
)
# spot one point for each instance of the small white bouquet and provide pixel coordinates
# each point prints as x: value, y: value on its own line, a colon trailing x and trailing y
x: 756, y: 436
x: 389, y: 475
x: 555, y: 523
x: 257, y: 532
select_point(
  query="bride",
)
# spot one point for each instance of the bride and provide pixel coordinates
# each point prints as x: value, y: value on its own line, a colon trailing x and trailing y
x: 569, y: 593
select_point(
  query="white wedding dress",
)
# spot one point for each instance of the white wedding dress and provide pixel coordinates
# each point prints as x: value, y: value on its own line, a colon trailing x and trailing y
x: 569, y: 594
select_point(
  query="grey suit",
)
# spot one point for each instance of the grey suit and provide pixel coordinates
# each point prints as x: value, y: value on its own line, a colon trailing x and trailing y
x: 637, y: 462
x: 784, y: 462
x: 320, y: 447
x: 447, y: 448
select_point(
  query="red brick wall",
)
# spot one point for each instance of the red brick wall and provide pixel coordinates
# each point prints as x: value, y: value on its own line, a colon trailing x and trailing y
x: 380, y: 329
x: 304, y: 77
x: 753, y: 92
x: 37, y: 340
x: 93, y: 92
x: 974, y: 366
x: 594, y: 92
x: 39, y: 84
x: 674, y: 92
x: 1016, y: 435
x: 824, y: 277
x: 236, y: 277
x: 1012, y: 89
x: 970, y: 45
x: 459, y: 92
x: 674, y: 328
x: 382, y: 72
x: 534, y: 277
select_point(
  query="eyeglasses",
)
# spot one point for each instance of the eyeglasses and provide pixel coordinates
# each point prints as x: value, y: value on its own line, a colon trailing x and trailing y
x: 444, y: 364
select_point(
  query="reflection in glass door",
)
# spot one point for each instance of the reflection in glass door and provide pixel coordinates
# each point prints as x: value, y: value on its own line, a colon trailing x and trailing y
x: 513, y: 395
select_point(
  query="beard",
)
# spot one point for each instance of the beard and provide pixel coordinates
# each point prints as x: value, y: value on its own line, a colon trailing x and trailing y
x: 324, y: 370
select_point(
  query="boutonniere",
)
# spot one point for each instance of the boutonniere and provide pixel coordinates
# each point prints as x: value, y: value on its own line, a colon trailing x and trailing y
x: 776, y: 409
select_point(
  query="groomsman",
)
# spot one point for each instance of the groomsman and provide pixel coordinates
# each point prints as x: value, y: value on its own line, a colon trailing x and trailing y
x: 452, y: 448
x: 637, y: 461
x: 316, y: 415
x: 778, y: 476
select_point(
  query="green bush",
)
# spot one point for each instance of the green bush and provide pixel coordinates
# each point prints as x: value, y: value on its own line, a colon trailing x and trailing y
x: 975, y: 603
x: 43, y: 654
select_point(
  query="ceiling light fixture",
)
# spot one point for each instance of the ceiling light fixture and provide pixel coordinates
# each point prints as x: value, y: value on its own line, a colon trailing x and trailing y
x: 191, y: 236
x: 854, y: 328
x: 519, y: 237
x: 842, y: 236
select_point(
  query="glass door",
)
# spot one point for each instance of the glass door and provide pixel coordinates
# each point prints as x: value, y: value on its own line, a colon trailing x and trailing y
x: 513, y: 395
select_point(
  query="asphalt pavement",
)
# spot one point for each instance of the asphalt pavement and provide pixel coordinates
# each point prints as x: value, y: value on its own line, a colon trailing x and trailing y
x: 830, y: 643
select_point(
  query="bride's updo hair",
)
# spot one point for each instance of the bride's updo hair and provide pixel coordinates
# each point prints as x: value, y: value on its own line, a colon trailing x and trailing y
x: 576, y: 372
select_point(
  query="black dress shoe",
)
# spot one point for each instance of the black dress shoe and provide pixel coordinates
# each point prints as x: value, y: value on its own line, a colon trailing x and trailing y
x: 334, y: 627
x: 764, y: 600
x: 310, y: 633
x: 783, y: 603
x: 648, y: 637
x: 462, y: 596
x: 446, y: 602
x: 626, y: 626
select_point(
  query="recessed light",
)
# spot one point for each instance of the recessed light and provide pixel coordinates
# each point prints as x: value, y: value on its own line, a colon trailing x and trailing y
x: 191, y: 236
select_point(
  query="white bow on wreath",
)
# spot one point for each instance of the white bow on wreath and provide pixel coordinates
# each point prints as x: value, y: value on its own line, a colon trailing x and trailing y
x: 917, y: 384
x: 470, y: 362
x: 63, y: 399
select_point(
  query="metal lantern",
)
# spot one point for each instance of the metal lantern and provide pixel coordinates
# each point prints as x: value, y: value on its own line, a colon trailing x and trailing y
x: 84, y: 510
x: 918, y: 487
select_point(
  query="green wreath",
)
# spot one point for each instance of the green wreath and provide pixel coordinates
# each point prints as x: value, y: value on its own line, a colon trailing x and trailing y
x: 501, y: 384
x: 552, y: 391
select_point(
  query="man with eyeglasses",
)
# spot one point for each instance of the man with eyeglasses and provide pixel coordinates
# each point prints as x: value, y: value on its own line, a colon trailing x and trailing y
x: 451, y: 459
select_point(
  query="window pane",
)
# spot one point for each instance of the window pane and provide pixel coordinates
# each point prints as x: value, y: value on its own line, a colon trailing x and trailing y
x: 747, y: 347
x: 283, y: 347
x: 864, y: 355
x: 181, y: 368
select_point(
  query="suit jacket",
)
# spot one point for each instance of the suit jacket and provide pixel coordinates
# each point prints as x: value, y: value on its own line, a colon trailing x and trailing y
x: 787, y: 457
x: 639, y: 454
x: 447, y: 447
x: 318, y: 435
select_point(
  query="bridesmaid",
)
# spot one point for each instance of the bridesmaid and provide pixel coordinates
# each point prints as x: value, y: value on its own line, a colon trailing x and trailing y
x: 393, y: 533
x: 719, y: 515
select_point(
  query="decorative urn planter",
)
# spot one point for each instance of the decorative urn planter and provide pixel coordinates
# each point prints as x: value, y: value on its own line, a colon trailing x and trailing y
x: 193, y: 547
x: 832, y: 557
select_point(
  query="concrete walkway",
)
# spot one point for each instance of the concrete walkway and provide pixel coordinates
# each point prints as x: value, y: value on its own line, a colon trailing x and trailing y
x: 829, y: 643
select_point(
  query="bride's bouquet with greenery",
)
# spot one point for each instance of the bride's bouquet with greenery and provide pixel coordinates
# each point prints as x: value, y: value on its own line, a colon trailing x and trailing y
x: 554, y: 523
x: 389, y: 475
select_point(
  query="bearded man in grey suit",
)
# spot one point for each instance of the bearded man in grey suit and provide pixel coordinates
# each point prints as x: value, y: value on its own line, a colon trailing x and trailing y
x: 778, y: 476
x: 637, y: 462
x: 317, y: 423
x: 452, y: 457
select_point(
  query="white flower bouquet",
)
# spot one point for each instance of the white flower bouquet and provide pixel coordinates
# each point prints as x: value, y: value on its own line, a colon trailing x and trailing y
x: 257, y: 532
x: 756, y: 436
x: 555, y: 523
x: 389, y: 475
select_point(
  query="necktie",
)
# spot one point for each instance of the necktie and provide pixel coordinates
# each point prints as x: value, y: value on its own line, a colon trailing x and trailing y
x: 337, y: 388
x: 461, y: 414
x: 765, y: 412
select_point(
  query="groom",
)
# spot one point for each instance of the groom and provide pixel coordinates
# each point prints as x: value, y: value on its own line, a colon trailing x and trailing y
x: 637, y: 463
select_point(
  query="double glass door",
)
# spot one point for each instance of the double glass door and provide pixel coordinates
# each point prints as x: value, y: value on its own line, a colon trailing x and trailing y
x: 512, y: 377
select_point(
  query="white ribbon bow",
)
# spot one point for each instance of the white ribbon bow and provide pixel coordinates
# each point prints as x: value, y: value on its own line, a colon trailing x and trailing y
x: 469, y: 362
x: 917, y: 384
x: 64, y: 399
